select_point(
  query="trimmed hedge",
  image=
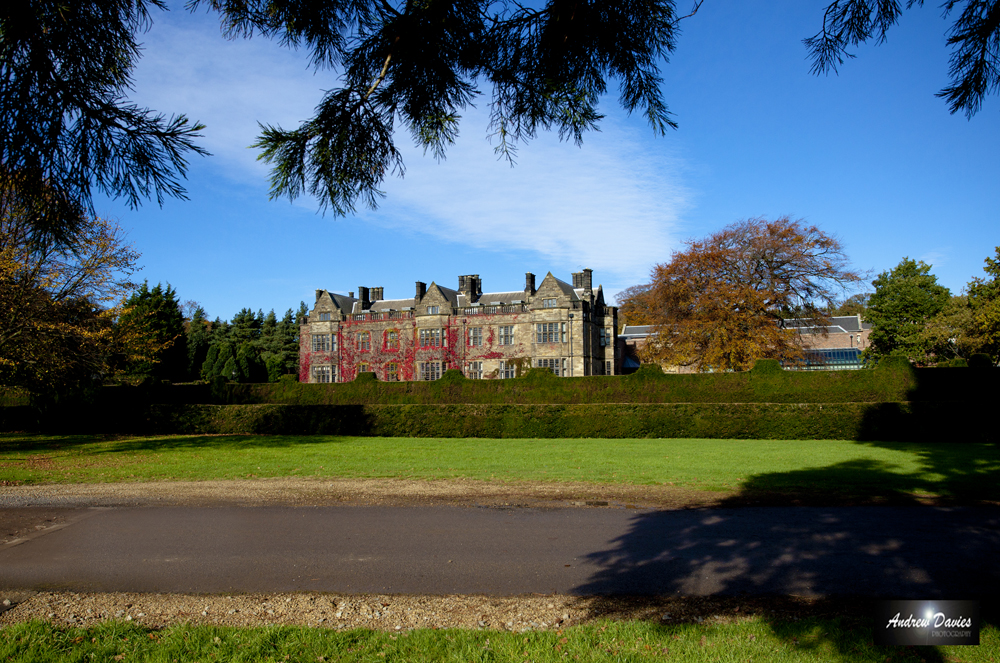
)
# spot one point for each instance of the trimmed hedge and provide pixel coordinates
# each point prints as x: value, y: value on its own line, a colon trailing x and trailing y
x: 648, y: 385
x: 943, y: 422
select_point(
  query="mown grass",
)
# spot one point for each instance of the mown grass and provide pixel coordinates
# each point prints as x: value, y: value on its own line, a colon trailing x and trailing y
x: 969, y: 471
x: 755, y: 639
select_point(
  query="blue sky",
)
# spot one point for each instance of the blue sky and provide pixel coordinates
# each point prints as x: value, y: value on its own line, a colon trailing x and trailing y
x: 869, y: 155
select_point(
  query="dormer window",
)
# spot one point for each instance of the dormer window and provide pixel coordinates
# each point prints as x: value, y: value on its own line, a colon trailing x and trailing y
x: 433, y: 310
x: 549, y: 303
x: 324, y: 317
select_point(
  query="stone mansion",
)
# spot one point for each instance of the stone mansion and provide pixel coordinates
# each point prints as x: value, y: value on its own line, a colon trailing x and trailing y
x: 565, y: 328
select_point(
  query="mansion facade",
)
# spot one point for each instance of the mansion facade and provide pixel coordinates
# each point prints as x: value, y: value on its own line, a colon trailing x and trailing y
x: 566, y: 328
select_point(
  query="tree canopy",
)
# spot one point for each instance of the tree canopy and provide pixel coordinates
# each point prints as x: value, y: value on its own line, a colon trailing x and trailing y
x: 157, y: 313
x: 66, y: 125
x: 906, y: 298
x: 59, y: 306
x: 719, y: 304
x: 418, y: 65
x: 974, y: 38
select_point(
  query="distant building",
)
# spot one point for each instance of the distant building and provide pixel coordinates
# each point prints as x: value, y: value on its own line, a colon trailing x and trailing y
x: 566, y: 328
x: 836, y: 346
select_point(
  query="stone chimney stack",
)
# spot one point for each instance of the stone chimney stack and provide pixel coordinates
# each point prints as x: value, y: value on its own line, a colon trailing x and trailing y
x: 319, y: 293
x: 470, y: 286
x: 529, y: 284
x: 377, y: 294
x: 363, y: 296
x: 421, y: 291
x: 584, y: 279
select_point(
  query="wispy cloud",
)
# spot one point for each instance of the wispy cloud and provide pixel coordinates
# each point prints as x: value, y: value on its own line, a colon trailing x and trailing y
x: 229, y: 85
x: 612, y: 205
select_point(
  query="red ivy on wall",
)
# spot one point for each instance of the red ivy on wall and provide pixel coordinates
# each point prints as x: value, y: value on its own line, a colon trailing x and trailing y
x: 454, y: 352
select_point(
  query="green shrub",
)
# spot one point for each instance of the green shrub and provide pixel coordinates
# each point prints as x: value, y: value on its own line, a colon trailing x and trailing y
x: 767, y: 367
x: 980, y: 360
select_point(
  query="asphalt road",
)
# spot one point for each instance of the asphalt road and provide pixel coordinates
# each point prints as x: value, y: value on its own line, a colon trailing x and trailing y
x: 904, y: 552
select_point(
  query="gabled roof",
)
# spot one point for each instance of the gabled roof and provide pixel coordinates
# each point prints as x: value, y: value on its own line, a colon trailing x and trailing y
x: 343, y: 301
x: 447, y: 293
x: 564, y: 287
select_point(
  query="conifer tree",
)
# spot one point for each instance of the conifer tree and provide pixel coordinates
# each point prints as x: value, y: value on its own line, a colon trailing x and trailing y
x: 158, y: 311
x: 197, y: 342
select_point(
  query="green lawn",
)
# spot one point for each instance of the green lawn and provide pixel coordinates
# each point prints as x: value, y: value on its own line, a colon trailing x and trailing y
x: 964, y: 471
x: 754, y: 639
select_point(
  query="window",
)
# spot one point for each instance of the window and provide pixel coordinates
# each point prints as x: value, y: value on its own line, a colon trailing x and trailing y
x: 321, y: 343
x: 430, y: 370
x: 392, y: 339
x: 547, y: 332
x: 475, y: 336
x: 551, y: 364
x: 506, y: 335
x: 604, y: 337
x: 608, y: 369
x: 392, y: 372
x: 563, y: 325
x: 363, y: 368
x: 433, y: 310
x: 322, y: 373
x: 364, y: 341
x: 430, y: 338
x: 474, y: 371
x: 324, y: 317
x: 549, y: 303
x: 508, y: 370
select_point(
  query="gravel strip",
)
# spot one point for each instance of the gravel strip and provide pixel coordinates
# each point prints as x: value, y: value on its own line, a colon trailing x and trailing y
x: 298, y: 491
x: 396, y: 612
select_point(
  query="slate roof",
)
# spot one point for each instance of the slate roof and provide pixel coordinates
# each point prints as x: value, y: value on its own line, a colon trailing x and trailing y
x: 394, y: 304
x: 636, y: 331
x: 839, y: 324
x: 488, y: 298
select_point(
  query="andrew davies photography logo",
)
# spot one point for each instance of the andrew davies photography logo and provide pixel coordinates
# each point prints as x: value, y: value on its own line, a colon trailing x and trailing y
x: 926, y: 623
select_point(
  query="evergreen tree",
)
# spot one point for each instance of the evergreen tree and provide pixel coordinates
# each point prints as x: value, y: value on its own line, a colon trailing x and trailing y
x: 229, y: 370
x: 246, y: 326
x: 905, y: 299
x: 210, y: 367
x: 66, y: 125
x: 158, y: 312
x: 984, y: 301
x: 197, y: 342
x: 249, y: 367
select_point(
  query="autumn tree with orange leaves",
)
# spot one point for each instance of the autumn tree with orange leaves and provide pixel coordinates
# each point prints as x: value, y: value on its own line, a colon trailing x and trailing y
x: 719, y: 304
x: 61, y: 304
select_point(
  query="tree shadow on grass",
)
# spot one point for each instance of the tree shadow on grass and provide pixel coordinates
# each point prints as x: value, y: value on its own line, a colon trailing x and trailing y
x: 805, y: 559
x: 812, y: 544
x: 115, y: 444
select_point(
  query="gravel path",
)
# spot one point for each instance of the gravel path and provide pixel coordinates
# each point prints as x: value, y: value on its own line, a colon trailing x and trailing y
x: 28, y: 511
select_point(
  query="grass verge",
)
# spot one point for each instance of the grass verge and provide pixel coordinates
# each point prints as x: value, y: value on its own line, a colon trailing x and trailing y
x: 963, y: 472
x: 752, y: 638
